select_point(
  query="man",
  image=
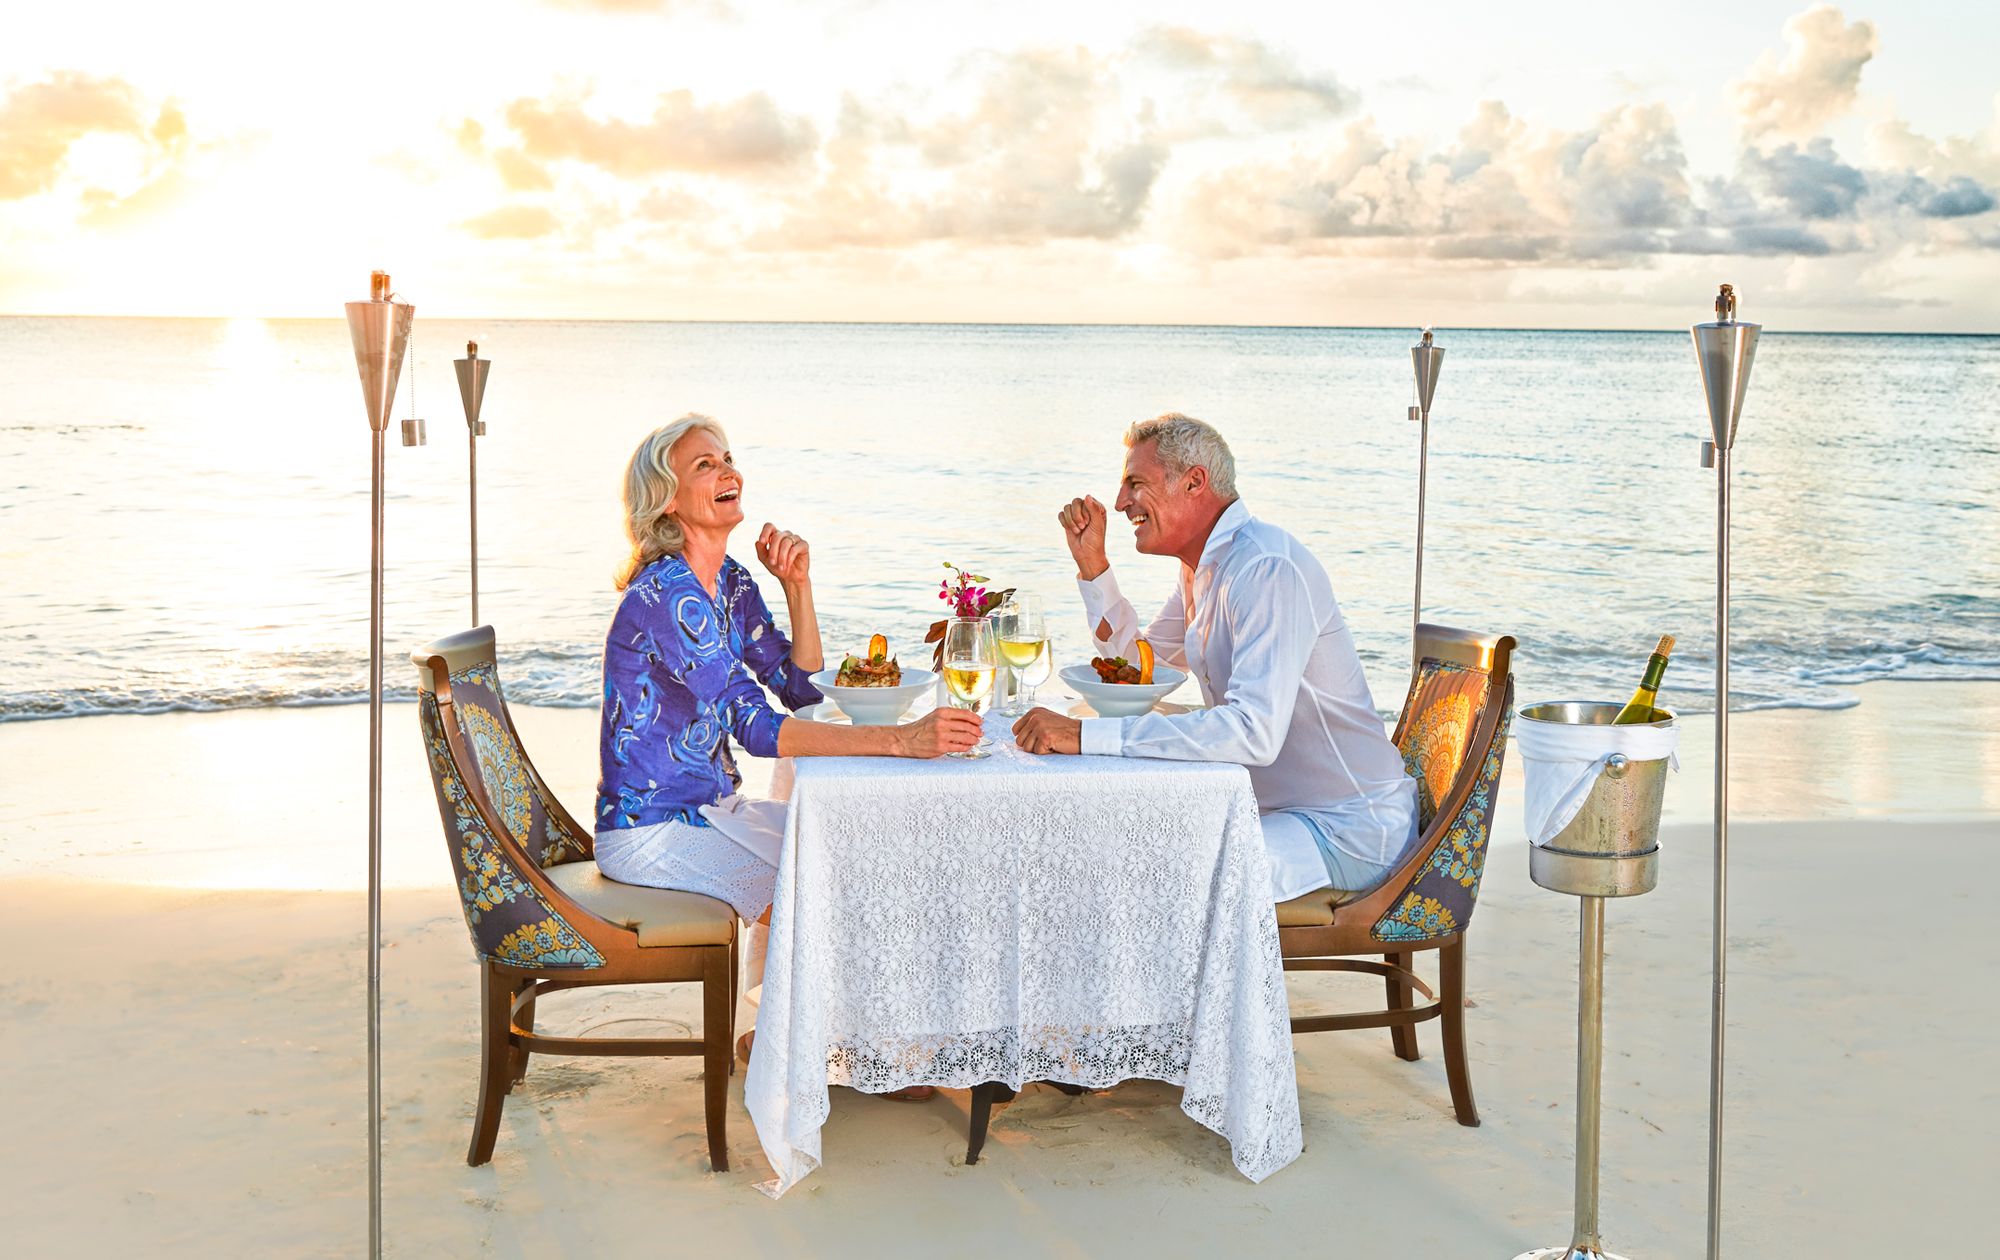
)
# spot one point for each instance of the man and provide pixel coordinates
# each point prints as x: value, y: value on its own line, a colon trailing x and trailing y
x: 1255, y: 623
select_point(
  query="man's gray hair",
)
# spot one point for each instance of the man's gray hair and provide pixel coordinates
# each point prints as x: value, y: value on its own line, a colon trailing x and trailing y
x: 1184, y: 442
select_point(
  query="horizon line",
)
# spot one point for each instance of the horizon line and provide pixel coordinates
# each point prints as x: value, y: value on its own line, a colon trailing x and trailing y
x: 980, y: 323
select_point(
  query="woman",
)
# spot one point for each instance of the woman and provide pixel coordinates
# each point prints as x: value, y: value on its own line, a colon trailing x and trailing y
x: 690, y: 643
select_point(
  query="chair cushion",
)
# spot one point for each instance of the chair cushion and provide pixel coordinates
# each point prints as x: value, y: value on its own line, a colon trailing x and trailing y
x: 660, y: 917
x: 1314, y: 909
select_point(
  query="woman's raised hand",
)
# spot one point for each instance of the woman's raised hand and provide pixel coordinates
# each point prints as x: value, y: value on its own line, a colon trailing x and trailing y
x: 939, y: 732
x: 785, y: 554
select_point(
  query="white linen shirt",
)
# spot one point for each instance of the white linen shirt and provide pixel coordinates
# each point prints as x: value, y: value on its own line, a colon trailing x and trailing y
x: 1276, y: 664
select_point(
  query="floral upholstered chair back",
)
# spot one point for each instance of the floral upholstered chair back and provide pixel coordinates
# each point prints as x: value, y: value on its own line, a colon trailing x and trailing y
x: 1441, y: 743
x: 485, y: 782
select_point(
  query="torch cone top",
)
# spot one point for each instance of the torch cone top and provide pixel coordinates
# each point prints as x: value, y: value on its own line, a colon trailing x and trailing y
x: 472, y: 373
x: 1725, y: 347
x: 380, y: 328
x: 1427, y: 357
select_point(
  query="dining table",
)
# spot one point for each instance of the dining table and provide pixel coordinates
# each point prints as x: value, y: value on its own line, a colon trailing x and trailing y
x: 1013, y: 918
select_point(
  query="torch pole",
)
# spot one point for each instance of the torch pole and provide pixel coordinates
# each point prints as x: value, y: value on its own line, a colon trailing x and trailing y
x: 472, y: 480
x: 1423, y: 480
x: 375, y: 853
x: 1720, y: 964
x: 1426, y: 358
x: 1724, y: 350
x: 380, y: 330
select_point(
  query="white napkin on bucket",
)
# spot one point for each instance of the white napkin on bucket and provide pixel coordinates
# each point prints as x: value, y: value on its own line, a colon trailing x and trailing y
x: 1562, y: 760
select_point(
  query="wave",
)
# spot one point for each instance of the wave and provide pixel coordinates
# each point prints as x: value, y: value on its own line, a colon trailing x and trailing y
x: 1764, y: 675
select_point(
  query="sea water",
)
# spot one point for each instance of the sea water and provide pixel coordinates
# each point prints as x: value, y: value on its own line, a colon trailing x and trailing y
x: 184, y: 503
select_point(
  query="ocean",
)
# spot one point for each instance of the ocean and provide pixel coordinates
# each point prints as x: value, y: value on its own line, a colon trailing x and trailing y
x: 184, y: 503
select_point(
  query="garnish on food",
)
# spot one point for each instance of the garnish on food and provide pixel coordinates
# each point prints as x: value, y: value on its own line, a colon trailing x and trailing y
x: 1116, y: 669
x: 877, y: 669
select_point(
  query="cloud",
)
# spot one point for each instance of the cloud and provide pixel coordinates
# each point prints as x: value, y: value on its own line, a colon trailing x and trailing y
x: 1814, y: 83
x: 521, y: 173
x: 1265, y: 84
x: 748, y: 135
x: 1958, y: 199
x: 1041, y: 153
x: 1503, y: 191
x: 1812, y: 181
x: 41, y: 121
x: 512, y: 223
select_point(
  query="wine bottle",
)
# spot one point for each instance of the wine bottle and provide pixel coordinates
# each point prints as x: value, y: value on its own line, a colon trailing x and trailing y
x: 1640, y: 708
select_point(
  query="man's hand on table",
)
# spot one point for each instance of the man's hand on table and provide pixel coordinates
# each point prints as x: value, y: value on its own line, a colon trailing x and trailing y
x: 1083, y: 521
x: 1044, y: 731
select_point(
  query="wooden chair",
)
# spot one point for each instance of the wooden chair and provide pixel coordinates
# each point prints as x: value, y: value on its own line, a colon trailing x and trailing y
x: 541, y: 915
x: 1453, y: 735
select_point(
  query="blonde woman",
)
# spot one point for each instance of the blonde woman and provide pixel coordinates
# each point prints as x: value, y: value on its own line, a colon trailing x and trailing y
x: 689, y: 647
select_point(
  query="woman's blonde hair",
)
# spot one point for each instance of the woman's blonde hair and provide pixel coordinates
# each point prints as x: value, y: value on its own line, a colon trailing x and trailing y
x: 649, y: 485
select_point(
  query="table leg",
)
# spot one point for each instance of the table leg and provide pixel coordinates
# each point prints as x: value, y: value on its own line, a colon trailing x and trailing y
x: 983, y: 1098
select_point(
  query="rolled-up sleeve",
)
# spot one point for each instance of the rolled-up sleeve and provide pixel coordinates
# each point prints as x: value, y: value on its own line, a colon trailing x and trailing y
x: 1272, y: 628
x: 739, y: 702
x: 1105, y: 607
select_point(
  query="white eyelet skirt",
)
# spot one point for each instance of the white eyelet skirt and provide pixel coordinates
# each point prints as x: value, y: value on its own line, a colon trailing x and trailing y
x: 733, y: 859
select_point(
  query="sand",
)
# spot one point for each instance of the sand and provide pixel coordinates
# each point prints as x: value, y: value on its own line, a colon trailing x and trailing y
x: 185, y: 1059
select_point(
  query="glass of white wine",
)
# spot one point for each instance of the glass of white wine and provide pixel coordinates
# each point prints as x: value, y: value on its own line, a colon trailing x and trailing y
x: 1024, y: 640
x: 971, y: 656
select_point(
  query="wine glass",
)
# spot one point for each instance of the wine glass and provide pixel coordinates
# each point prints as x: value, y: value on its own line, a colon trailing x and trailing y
x: 971, y: 655
x: 1024, y: 639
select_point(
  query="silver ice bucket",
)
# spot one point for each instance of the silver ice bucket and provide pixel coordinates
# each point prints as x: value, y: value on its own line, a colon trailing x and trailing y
x: 1612, y: 847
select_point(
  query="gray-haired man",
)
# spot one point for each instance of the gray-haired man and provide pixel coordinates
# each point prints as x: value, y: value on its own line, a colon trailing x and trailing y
x: 1254, y: 621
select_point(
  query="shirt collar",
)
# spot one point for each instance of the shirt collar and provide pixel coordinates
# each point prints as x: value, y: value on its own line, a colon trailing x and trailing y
x: 1233, y: 518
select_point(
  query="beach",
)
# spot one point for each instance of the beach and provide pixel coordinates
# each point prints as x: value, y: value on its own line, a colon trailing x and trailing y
x: 186, y: 1061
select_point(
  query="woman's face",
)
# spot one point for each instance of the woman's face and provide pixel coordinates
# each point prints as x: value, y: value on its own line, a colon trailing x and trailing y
x: 709, y: 495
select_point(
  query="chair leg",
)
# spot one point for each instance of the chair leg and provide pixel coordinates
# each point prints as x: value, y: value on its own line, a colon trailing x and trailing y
x: 495, y: 1064
x: 717, y: 1050
x: 1402, y: 1036
x: 527, y: 1022
x: 1451, y: 995
x: 983, y: 1098
x: 735, y: 992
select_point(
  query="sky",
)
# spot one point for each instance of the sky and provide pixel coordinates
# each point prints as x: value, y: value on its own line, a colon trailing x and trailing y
x: 1532, y: 165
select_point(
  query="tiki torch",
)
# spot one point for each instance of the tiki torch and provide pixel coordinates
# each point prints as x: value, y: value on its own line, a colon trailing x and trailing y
x: 472, y: 374
x: 380, y: 328
x: 1724, y: 348
x: 1426, y: 358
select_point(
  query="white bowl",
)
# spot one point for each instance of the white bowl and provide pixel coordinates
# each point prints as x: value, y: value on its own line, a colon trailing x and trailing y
x: 1117, y: 700
x: 875, y: 706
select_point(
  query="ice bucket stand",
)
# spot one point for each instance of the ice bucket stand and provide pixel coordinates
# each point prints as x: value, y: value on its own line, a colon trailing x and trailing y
x: 1610, y: 849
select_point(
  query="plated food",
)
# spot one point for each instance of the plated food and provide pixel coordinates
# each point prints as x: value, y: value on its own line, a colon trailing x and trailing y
x: 871, y: 688
x: 1116, y: 669
x: 877, y: 669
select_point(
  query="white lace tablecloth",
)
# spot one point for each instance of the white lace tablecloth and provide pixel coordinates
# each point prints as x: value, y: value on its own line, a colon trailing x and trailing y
x: 1020, y: 918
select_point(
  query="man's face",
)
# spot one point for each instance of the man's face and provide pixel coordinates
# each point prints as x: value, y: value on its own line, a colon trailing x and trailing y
x: 1163, y: 508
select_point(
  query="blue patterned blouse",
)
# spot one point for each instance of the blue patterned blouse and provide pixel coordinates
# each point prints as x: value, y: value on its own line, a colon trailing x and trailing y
x: 678, y: 680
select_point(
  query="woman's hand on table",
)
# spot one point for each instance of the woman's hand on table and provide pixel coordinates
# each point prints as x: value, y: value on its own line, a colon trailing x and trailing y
x: 1045, y: 731
x: 938, y: 732
x: 785, y: 554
